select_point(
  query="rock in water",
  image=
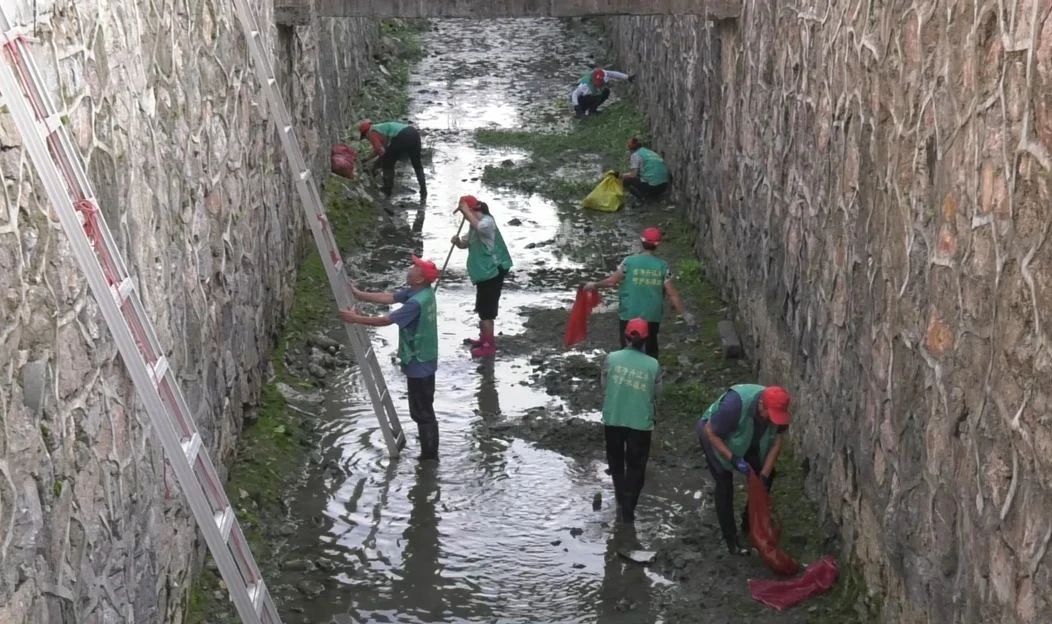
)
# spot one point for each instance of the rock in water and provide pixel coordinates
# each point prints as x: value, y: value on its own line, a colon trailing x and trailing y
x: 597, y: 501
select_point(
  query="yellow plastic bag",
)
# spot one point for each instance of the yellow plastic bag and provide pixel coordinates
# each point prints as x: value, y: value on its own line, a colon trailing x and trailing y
x: 608, y: 195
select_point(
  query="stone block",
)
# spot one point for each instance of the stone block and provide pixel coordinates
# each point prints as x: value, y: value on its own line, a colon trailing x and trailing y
x: 730, y: 343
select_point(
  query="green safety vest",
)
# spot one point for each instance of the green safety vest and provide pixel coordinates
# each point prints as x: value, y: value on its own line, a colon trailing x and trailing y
x: 587, y: 80
x: 389, y: 129
x: 653, y: 172
x: 739, y: 441
x: 630, y: 379
x: 485, y: 263
x: 421, y: 345
x: 642, y: 292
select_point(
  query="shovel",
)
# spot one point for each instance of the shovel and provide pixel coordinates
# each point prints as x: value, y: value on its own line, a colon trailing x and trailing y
x: 450, y: 254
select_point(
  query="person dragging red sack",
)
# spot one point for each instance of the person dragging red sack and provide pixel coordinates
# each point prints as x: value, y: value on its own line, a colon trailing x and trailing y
x: 742, y: 431
x: 577, y: 327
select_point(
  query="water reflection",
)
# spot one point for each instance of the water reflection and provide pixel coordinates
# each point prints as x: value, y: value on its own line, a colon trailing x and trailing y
x: 624, y: 596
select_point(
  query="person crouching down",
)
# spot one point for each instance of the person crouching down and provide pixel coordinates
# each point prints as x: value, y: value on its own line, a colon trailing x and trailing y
x: 591, y: 91
x: 417, y: 322
x: 649, y: 176
x: 631, y: 379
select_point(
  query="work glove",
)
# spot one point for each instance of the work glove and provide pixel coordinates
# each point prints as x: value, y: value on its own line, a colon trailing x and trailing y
x: 689, y: 319
x: 741, y: 465
x: 631, y: 77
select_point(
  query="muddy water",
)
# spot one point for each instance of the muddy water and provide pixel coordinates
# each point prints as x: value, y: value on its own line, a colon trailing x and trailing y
x: 500, y: 530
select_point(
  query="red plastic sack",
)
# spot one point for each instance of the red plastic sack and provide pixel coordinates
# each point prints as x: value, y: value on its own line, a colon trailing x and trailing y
x: 577, y: 328
x: 763, y: 532
x: 342, y: 160
x: 818, y: 578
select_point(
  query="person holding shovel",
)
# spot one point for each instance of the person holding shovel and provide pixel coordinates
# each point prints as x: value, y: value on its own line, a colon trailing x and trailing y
x: 591, y: 90
x: 644, y: 280
x: 631, y: 381
x: 393, y: 141
x: 742, y: 431
x: 417, y: 322
x: 488, y: 263
x: 648, y: 177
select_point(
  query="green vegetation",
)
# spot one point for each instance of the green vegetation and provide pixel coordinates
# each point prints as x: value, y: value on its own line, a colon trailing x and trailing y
x: 603, y: 136
x: 271, y: 451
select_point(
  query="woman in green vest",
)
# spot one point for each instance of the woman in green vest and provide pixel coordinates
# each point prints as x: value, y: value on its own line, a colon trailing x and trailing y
x: 649, y: 176
x: 631, y: 379
x: 742, y: 431
x: 488, y: 263
x: 644, y: 280
x: 417, y: 322
x: 392, y: 141
x: 591, y: 91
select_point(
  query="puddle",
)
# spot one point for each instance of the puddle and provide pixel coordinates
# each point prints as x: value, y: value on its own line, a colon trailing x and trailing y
x: 503, y: 529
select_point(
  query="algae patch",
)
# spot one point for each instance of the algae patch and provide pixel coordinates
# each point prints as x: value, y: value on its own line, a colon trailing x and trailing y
x: 601, y: 139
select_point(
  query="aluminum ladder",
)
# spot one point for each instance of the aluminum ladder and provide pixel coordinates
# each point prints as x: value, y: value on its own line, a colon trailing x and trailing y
x: 63, y: 177
x: 361, y: 346
x: 74, y: 204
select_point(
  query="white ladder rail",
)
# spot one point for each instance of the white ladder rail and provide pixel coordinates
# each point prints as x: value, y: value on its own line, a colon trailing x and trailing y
x: 372, y: 375
x: 66, y: 183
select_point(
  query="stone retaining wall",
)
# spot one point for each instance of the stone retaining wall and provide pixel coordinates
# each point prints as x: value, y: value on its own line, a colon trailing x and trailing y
x: 871, y: 182
x: 169, y: 117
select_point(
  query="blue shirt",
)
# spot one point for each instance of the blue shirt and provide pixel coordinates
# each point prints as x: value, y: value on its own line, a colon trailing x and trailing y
x: 406, y: 317
x: 725, y: 421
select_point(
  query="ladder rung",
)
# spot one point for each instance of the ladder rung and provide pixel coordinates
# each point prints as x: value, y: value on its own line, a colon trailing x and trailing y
x: 272, y: 81
x: 383, y: 394
x: 122, y: 291
x: 51, y: 124
x: 191, y: 447
x: 160, y: 367
x: 255, y: 594
x: 304, y: 174
x: 287, y: 129
x: 225, y: 521
x: 254, y: 34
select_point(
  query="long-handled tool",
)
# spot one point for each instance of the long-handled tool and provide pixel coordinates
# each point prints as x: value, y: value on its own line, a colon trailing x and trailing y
x: 450, y: 254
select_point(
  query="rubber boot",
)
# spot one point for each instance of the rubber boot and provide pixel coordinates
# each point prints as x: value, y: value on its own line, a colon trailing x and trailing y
x: 423, y: 185
x: 486, y: 348
x: 428, y: 441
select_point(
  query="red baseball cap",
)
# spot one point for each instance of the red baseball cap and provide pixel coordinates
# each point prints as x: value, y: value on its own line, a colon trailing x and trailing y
x: 470, y: 201
x: 598, y: 76
x: 637, y: 328
x: 776, y: 400
x: 364, y: 126
x: 651, y: 235
x: 426, y: 267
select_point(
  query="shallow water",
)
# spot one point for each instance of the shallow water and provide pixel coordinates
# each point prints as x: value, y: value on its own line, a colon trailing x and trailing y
x: 499, y: 530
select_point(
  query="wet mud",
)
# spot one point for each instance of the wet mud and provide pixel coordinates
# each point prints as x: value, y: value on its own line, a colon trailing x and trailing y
x: 516, y: 523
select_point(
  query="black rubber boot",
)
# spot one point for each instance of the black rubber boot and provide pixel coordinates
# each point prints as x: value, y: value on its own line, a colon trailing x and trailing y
x: 428, y: 441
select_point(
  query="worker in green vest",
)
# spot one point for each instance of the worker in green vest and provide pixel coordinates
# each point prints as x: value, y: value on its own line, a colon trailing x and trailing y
x: 644, y: 280
x: 591, y: 91
x: 742, y: 431
x: 648, y: 177
x: 488, y: 263
x: 417, y: 322
x: 631, y: 380
x: 393, y: 141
